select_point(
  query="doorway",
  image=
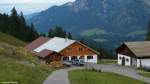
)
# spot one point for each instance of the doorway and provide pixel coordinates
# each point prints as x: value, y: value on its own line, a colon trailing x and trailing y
x: 123, y: 61
x: 74, y: 58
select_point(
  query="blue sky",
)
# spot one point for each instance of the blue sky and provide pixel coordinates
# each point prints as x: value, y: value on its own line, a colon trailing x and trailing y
x: 29, y: 6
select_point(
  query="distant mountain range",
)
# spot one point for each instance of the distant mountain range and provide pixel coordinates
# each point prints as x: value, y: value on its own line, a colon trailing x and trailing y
x: 106, y: 21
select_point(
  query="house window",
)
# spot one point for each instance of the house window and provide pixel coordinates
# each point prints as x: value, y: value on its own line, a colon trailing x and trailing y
x: 127, y: 60
x: 120, y: 57
x: 68, y: 49
x: 65, y: 58
x: 89, y: 57
x: 81, y: 57
x: 80, y: 49
x: 73, y: 57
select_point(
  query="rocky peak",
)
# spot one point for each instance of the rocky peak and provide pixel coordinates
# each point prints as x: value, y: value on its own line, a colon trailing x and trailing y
x: 79, y: 5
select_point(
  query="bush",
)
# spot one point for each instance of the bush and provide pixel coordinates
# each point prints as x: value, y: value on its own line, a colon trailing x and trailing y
x: 146, y: 68
x: 94, y: 69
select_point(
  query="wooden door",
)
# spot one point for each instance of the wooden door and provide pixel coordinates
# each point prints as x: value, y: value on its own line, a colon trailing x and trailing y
x: 123, y: 61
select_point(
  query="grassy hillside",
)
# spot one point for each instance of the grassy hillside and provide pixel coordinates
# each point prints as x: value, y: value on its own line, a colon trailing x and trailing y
x: 17, y: 65
x: 10, y: 40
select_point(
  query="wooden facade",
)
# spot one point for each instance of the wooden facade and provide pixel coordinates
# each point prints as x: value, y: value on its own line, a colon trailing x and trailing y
x: 56, y: 49
x: 74, y: 50
x: 52, y: 57
x: 77, y: 49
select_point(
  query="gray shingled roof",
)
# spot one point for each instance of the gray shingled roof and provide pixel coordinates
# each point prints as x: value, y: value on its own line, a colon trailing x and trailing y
x: 140, y: 49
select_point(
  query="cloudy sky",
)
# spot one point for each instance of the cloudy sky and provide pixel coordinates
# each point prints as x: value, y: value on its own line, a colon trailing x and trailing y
x: 29, y: 6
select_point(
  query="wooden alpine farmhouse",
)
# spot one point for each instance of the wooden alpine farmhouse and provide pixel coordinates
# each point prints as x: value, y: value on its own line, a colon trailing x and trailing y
x: 61, y: 49
x: 134, y: 54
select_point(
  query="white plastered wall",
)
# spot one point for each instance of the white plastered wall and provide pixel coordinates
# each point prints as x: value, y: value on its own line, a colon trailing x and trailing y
x: 94, y: 60
x: 144, y: 62
x: 127, y: 63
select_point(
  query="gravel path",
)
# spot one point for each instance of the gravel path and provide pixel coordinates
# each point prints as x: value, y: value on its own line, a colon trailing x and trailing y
x: 60, y: 76
x: 122, y: 70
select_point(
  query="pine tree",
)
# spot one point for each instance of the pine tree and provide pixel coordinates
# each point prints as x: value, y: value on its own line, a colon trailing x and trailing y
x: 23, y: 21
x: 33, y: 33
x: 14, y: 12
x: 4, y: 23
x: 57, y: 31
x: 16, y: 26
x: 64, y: 34
x: 43, y: 34
x: 148, y: 33
x: 14, y: 23
x: 82, y: 41
x: 69, y: 35
x: 50, y: 33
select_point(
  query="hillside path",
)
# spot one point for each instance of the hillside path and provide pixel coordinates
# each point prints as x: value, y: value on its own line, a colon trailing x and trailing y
x: 60, y: 76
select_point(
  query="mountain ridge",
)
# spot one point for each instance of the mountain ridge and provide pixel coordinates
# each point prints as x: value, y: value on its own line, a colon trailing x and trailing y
x: 121, y: 20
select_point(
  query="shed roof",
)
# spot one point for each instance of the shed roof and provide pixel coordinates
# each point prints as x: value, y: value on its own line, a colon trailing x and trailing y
x: 36, y: 43
x: 45, y: 53
x: 140, y: 49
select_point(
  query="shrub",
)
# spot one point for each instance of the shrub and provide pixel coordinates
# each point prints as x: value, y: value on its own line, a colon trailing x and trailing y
x: 146, y: 68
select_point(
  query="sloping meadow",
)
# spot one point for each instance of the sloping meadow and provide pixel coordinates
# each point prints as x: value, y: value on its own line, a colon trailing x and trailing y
x: 19, y: 66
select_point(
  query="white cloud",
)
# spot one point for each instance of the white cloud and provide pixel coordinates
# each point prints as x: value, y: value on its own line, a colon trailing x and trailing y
x: 34, y: 1
x: 29, y: 6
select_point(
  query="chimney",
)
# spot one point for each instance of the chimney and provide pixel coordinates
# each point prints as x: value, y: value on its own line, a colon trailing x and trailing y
x: 66, y: 37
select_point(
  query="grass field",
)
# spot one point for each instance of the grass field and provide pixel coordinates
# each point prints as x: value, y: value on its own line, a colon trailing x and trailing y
x: 91, y: 77
x: 14, y: 71
x: 143, y: 72
x: 17, y: 65
x: 10, y: 40
x: 146, y: 74
x: 107, y: 61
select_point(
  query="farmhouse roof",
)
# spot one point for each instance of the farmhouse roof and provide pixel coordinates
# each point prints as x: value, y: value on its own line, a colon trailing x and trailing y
x: 36, y: 43
x: 140, y: 49
x: 55, y: 44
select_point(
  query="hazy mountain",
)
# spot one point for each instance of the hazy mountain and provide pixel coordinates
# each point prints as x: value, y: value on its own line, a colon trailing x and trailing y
x: 107, y: 21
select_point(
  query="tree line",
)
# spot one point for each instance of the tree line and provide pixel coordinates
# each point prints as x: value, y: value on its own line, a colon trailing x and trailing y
x: 15, y: 25
x: 59, y: 32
